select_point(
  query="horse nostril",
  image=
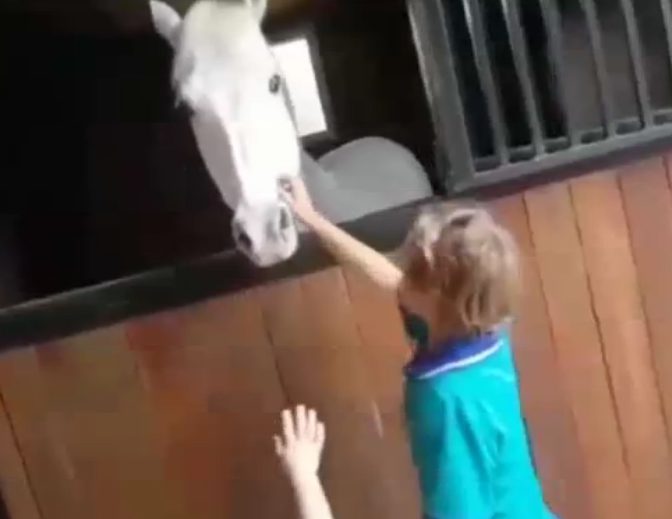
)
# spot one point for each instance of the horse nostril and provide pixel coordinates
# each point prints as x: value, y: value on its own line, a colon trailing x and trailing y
x: 242, y: 238
x: 285, y: 220
x: 185, y: 109
x: 245, y: 241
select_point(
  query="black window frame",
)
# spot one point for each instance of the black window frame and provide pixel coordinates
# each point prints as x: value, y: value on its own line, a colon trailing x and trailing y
x: 460, y: 171
x: 308, y: 32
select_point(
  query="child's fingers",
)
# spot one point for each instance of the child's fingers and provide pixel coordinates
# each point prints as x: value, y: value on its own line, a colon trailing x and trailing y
x: 320, y: 435
x: 288, y: 426
x: 301, y: 421
x: 311, y: 424
x: 279, y: 446
x: 285, y: 188
x: 299, y: 189
x: 286, y: 197
x: 290, y: 186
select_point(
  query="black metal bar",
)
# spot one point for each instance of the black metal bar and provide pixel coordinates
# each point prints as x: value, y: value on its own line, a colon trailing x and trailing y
x: 587, y: 137
x: 522, y: 66
x: 551, y: 16
x: 594, y: 32
x: 666, y: 8
x: 637, y: 61
x: 434, y: 44
x: 620, y: 145
x: 484, y: 67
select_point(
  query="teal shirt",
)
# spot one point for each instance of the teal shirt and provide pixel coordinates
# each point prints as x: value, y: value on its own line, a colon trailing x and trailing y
x: 467, y: 434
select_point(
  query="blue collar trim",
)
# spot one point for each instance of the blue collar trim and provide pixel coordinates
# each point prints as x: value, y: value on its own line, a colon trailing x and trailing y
x: 453, y: 354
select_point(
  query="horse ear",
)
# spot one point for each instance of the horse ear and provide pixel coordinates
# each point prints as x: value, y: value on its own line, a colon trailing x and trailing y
x: 166, y: 20
x: 259, y: 8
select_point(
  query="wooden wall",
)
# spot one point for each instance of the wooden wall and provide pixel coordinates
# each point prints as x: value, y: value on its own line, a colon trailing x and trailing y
x: 171, y: 416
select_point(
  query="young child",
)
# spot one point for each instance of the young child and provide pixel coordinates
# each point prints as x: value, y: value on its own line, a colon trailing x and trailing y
x: 456, y: 282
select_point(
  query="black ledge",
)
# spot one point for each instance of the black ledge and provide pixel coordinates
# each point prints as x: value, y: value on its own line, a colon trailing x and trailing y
x: 42, y: 320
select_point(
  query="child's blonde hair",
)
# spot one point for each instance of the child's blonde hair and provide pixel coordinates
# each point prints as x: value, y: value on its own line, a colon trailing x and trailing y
x: 461, y: 251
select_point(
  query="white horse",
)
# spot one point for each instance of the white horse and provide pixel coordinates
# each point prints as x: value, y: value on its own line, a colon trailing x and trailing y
x: 226, y: 72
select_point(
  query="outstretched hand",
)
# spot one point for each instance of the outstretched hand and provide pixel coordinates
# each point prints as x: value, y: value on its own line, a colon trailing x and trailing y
x: 301, y: 443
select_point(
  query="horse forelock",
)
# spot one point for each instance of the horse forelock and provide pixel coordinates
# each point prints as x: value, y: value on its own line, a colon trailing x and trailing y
x: 211, y: 29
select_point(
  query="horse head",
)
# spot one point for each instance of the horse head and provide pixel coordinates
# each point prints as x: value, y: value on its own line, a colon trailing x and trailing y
x: 224, y: 71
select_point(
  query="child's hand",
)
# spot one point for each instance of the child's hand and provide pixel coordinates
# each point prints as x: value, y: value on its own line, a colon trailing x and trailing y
x: 296, y: 195
x: 300, y: 447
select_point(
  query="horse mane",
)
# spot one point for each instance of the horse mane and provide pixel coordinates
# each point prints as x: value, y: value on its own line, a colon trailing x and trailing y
x: 211, y: 28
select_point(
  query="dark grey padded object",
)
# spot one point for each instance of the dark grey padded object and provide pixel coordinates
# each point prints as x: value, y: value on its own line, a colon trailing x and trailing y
x: 363, y: 177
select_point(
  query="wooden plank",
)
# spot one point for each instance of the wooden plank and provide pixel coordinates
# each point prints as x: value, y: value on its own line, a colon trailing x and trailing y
x: 557, y: 452
x: 617, y: 302
x: 94, y: 393
x: 37, y: 433
x: 648, y: 206
x: 385, y: 350
x: 216, y: 401
x: 14, y: 483
x: 380, y: 329
x: 318, y: 353
x: 578, y: 347
x: 81, y: 420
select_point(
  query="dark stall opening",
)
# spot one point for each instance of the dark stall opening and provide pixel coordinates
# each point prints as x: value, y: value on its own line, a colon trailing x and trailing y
x: 100, y: 177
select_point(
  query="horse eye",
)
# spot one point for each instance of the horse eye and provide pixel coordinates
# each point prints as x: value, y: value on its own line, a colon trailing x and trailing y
x: 275, y: 83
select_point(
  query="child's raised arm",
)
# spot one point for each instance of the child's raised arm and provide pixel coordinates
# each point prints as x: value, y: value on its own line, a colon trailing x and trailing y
x: 300, y: 449
x: 348, y: 251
